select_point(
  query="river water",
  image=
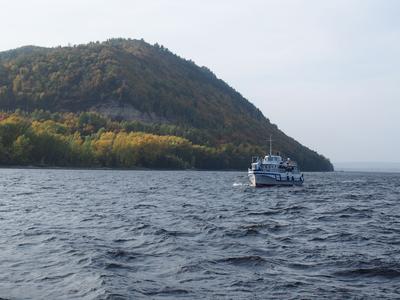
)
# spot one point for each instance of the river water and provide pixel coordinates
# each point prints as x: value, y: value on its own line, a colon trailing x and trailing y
x: 79, y: 234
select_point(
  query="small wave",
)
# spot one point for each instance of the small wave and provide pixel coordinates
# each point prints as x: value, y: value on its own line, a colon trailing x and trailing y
x: 24, y: 194
x: 57, y: 277
x: 173, y: 233
x: 199, y: 278
x: 166, y: 291
x: 144, y: 206
x: 354, y: 181
x: 142, y: 226
x: 300, y: 266
x: 112, y: 296
x: 325, y: 218
x: 295, y: 208
x: 370, y: 272
x: 121, y: 254
x: 252, y: 229
x: 353, y: 196
x: 50, y: 239
x: 116, y: 266
x: 254, y: 226
x: 262, y: 213
x: 241, y: 232
x: 34, y: 232
x: 352, y: 210
x: 190, y: 268
x: 250, y: 260
x: 123, y: 240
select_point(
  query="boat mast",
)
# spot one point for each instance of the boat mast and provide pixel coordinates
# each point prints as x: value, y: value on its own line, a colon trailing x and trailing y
x: 270, y: 145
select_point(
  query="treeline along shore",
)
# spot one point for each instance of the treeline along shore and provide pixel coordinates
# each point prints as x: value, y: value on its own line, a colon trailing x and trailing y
x: 90, y: 140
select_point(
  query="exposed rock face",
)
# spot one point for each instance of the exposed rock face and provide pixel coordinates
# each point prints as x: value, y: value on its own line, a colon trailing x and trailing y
x: 126, y: 111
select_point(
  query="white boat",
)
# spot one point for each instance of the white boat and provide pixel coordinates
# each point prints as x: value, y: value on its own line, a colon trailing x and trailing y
x: 273, y: 170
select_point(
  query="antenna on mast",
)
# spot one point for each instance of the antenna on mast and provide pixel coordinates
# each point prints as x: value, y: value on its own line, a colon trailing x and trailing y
x: 270, y: 145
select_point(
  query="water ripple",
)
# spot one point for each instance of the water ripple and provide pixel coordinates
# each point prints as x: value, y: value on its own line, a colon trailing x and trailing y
x: 77, y: 234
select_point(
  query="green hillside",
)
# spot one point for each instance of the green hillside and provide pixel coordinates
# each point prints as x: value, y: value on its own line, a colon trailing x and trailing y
x: 148, y: 87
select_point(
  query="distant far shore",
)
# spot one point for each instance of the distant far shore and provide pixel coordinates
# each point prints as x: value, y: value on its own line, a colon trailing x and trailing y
x: 383, y: 167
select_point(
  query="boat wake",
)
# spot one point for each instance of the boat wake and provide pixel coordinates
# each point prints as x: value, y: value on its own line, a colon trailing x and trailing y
x: 235, y: 184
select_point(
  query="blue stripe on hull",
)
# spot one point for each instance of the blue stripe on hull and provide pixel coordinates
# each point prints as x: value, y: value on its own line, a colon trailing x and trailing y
x: 273, y: 179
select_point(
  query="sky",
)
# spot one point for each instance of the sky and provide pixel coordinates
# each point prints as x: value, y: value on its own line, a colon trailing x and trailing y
x: 326, y: 72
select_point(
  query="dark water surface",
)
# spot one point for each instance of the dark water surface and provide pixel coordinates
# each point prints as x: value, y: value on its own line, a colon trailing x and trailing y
x: 76, y: 234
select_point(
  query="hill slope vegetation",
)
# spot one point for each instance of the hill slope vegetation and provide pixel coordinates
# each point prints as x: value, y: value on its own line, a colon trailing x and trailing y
x: 146, y: 86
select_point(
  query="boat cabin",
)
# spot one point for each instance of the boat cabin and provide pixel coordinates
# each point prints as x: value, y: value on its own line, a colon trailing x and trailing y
x: 273, y: 163
x: 272, y: 159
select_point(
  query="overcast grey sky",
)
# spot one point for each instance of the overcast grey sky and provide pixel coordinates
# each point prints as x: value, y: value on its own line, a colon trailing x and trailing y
x: 326, y: 72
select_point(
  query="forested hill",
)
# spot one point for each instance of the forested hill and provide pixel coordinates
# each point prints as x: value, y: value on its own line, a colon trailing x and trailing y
x: 133, y: 81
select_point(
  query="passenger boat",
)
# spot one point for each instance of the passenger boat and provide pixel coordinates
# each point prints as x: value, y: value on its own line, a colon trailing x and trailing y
x: 273, y: 170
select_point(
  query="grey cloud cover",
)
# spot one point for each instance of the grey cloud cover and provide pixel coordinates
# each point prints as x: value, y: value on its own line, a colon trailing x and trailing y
x: 327, y: 72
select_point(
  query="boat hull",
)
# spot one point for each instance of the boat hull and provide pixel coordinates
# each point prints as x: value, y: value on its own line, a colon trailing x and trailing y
x: 259, y: 179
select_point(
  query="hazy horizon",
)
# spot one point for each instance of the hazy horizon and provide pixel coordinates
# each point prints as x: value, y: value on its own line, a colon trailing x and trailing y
x: 325, y: 72
x: 367, y: 166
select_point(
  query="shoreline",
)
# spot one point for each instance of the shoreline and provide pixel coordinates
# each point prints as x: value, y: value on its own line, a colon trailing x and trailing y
x: 155, y: 169
x: 131, y: 169
x: 109, y: 169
